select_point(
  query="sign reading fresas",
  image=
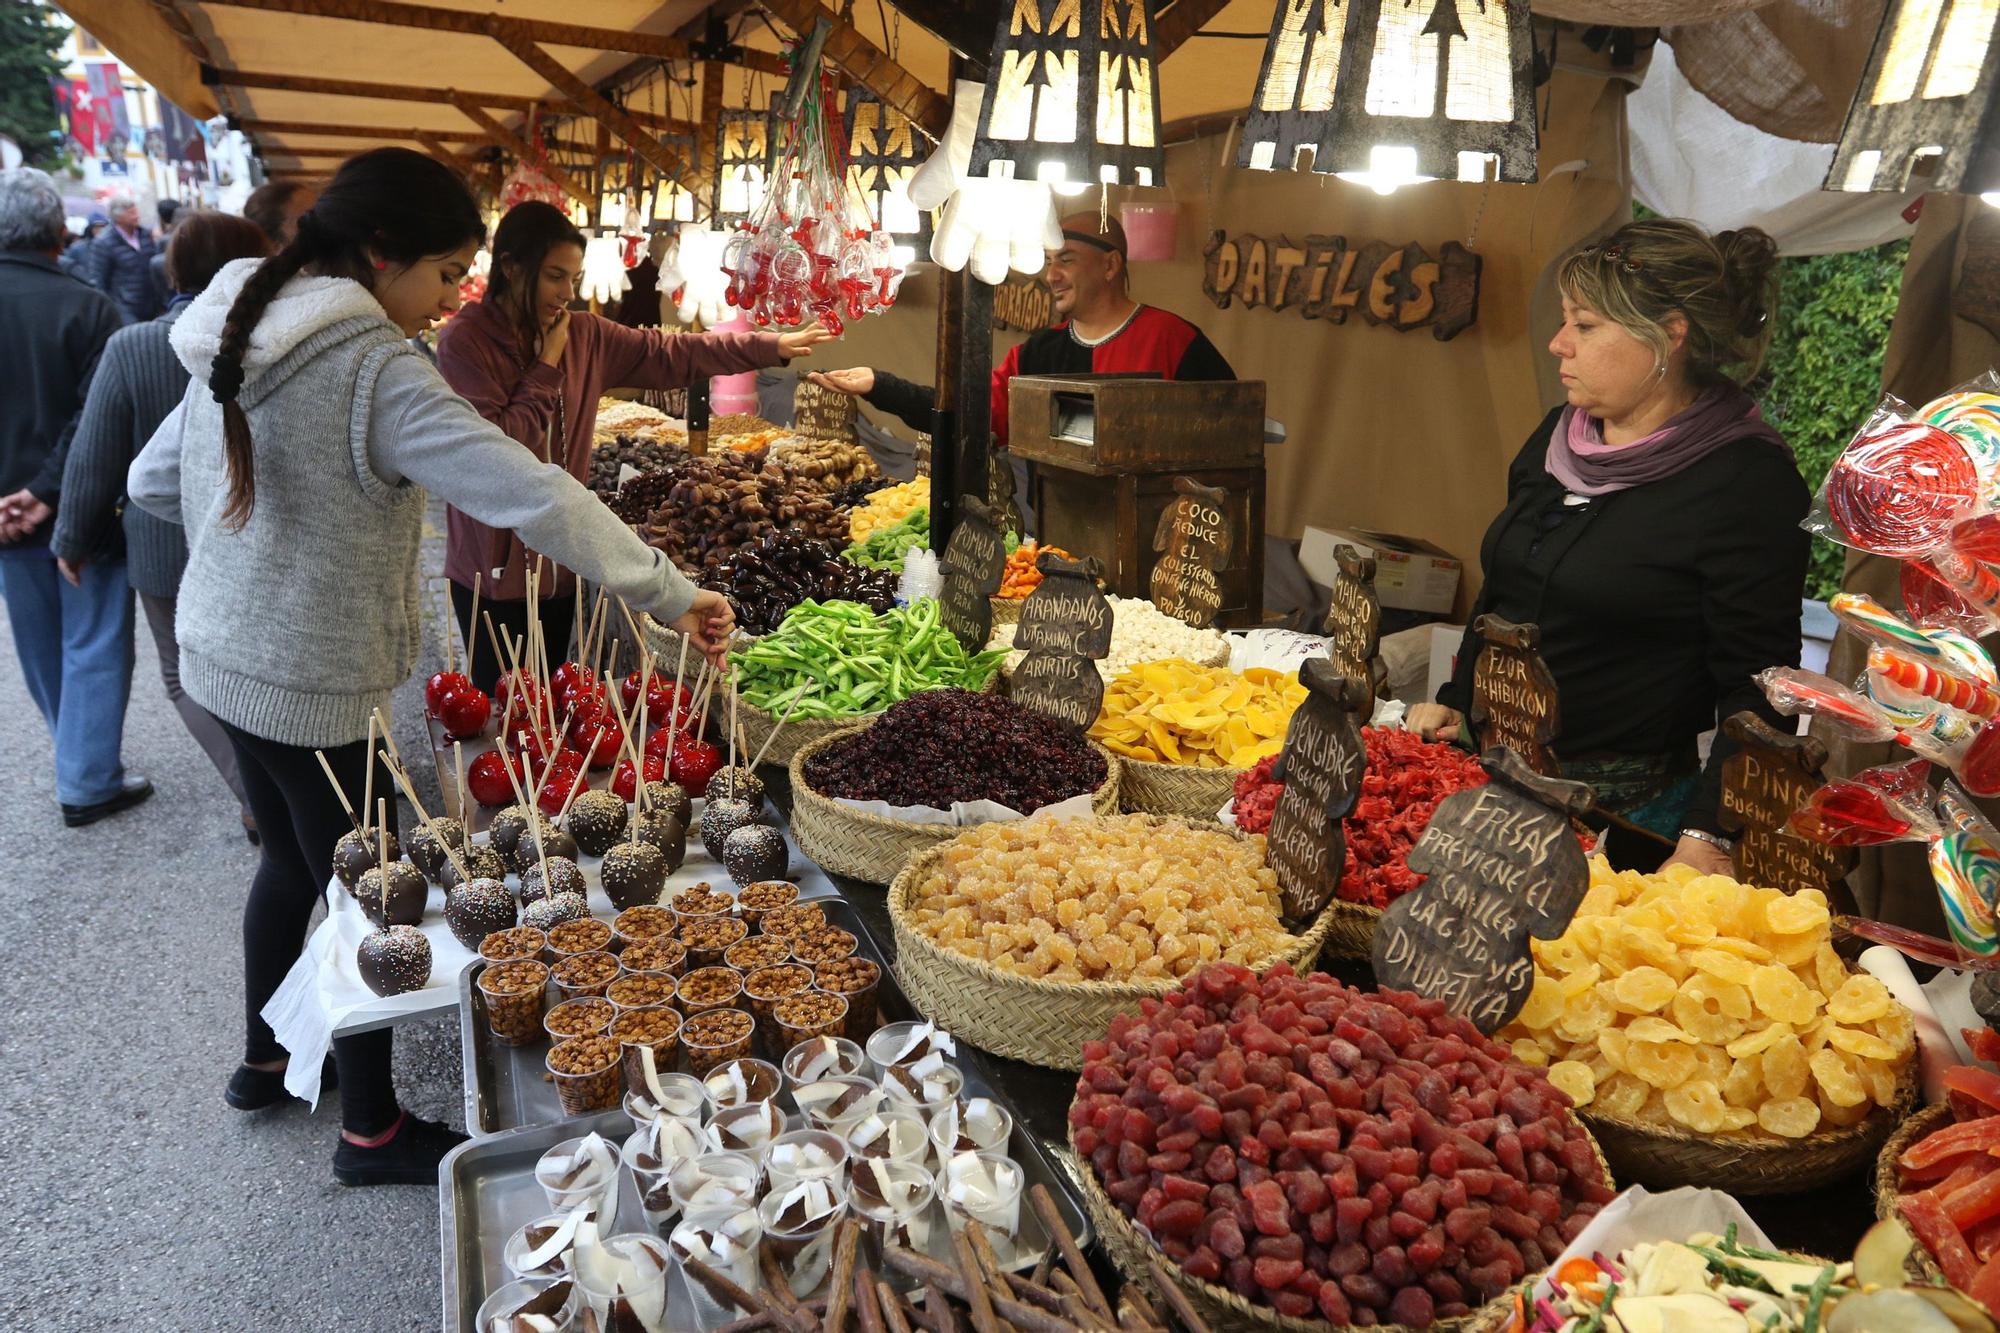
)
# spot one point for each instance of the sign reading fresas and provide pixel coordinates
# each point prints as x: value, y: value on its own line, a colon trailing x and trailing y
x: 1329, y: 278
x: 1193, y: 538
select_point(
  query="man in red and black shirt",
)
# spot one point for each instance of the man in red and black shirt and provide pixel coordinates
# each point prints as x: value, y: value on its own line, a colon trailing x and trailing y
x: 1104, y: 332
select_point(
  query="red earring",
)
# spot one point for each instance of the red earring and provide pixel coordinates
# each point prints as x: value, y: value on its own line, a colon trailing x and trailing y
x: 380, y: 264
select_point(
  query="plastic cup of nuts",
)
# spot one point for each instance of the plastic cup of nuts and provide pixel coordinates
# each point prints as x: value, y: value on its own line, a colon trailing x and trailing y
x: 578, y: 1018
x: 708, y: 988
x: 715, y: 1035
x: 647, y: 922
x: 896, y: 1136
x: 828, y: 944
x: 637, y: 1031
x: 584, y: 974
x: 640, y: 990
x: 587, y: 1075
x: 574, y: 937
x: 741, y: 1082
x: 894, y: 1199
x: 708, y: 937
x: 794, y: 920
x: 749, y: 1128
x: 764, y: 988
x: 660, y: 956
x: 514, y: 993
x: 702, y: 901
x: 983, y: 1187
x: 746, y: 956
x: 580, y: 1173
x: 516, y: 1305
x: 520, y: 944
x: 807, y: 1015
x: 860, y: 981
x: 753, y: 900
x: 835, y: 1102
x: 822, y: 1057
x: 666, y: 1096
x: 980, y: 1125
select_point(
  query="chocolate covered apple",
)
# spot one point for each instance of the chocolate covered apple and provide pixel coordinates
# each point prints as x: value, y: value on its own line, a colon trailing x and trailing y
x: 477, y: 909
x: 633, y: 873
x: 596, y: 821
x: 394, y: 960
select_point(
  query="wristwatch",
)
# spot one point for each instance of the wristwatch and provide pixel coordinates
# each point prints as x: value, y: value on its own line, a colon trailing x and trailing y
x: 1727, y: 845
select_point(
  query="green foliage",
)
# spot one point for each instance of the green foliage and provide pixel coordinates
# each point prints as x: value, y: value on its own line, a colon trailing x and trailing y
x: 1824, y: 372
x: 29, y: 39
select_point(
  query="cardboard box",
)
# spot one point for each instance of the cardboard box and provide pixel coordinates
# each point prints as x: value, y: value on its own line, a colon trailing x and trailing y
x: 1410, y: 574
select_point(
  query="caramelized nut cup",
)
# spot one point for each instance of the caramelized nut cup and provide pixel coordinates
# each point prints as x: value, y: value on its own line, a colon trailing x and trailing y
x: 515, y: 993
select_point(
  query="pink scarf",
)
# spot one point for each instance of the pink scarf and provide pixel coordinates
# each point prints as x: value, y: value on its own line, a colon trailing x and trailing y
x: 1579, y: 458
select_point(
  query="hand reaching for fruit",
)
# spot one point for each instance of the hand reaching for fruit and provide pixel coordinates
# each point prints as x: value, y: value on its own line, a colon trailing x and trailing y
x: 708, y: 623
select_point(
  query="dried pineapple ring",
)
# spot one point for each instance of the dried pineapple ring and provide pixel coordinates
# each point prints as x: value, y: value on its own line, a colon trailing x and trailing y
x: 1723, y: 965
x: 1575, y: 1080
x: 1656, y: 1029
x: 1711, y: 1009
x: 1829, y: 969
x: 1662, y: 1064
x: 1860, y: 999
x: 1544, y: 1002
x: 1579, y: 981
x: 1783, y: 996
x: 1753, y: 1043
x: 1529, y: 1052
x: 1612, y: 1044
x: 1712, y: 1063
x: 1620, y: 1095
x: 1583, y: 1015
x: 1697, y: 1103
x: 1745, y: 1084
x: 1789, y: 1117
x: 1560, y: 955
x: 1855, y: 1041
x: 1884, y: 1083
x: 1643, y: 990
x: 1736, y: 1118
x: 1652, y: 946
x: 1837, y: 1079
x: 1742, y: 948
x: 1899, y: 1029
x: 1784, y: 1067
x: 1797, y: 913
x: 1790, y: 950
x: 1833, y: 1113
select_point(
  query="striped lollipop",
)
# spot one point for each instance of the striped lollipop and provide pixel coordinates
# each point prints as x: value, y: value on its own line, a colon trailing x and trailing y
x: 1966, y: 869
x: 1898, y: 491
x: 1973, y: 418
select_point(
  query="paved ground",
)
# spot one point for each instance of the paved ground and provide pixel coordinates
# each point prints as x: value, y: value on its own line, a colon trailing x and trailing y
x: 134, y: 1197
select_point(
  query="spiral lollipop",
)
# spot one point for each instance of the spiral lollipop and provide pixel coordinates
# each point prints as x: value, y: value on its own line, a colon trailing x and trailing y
x: 1974, y: 418
x: 1953, y: 691
x: 1898, y: 491
x: 1966, y: 869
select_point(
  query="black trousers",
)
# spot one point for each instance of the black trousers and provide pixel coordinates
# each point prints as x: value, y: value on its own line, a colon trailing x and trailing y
x: 300, y: 818
x: 558, y: 616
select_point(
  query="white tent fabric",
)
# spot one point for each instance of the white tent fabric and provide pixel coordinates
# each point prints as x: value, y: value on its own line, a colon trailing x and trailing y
x: 1691, y: 159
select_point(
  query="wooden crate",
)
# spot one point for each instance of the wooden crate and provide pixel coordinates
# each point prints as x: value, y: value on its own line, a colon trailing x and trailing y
x: 1111, y: 424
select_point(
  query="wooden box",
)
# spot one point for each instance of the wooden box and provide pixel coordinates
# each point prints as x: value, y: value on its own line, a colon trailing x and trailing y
x: 1106, y: 424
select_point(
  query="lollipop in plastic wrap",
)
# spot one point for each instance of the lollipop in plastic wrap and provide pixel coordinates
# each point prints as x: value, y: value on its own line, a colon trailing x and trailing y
x: 1974, y: 418
x: 1898, y: 490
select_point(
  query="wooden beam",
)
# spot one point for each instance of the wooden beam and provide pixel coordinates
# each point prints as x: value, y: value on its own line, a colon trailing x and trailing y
x: 479, y: 23
x: 436, y: 148
x: 283, y: 150
x: 253, y: 126
x: 514, y: 35
x: 396, y: 92
x: 868, y: 64
x: 1183, y: 21
x: 514, y: 144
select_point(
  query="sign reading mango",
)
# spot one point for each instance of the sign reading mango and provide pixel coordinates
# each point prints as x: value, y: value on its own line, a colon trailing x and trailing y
x: 1326, y: 277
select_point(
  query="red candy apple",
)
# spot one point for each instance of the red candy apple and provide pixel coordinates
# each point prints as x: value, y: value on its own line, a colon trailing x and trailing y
x: 441, y: 684
x: 622, y: 785
x: 465, y: 712
x: 693, y: 763
x: 486, y: 776
x: 600, y: 740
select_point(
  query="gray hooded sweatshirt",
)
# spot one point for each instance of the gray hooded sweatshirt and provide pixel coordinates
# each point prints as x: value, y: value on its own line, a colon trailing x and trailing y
x: 298, y: 626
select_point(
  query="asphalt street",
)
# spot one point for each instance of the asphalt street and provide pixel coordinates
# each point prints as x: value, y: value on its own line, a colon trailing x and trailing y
x: 134, y: 1198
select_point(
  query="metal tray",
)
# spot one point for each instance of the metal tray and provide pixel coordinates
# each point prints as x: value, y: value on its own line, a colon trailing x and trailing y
x: 507, y: 1087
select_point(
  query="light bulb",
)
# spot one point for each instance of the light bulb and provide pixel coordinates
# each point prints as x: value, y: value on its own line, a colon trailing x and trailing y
x: 1389, y: 168
x: 1991, y: 198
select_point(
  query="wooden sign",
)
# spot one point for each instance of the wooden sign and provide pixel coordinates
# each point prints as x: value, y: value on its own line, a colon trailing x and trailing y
x: 974, y: 560
x: 822, y: 414
x: 1514, y: 695
x: 1503, y: 864
x: 1193, y: 535
x: 1763, y: 785
x: 1024, y: 303
x: 1065, y: 627
x: 1354, y: 618
x: 1329, y: 278
x: 1321, y: 766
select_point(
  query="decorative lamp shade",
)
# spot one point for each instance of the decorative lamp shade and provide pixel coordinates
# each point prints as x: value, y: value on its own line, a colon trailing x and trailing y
x: 1390, y: 91
x: 882, y: 155
x: 604, y: 277
x: 673, y: 201
x: 1071, y: 96
x: 1929, y: 96
x: 743, y: 148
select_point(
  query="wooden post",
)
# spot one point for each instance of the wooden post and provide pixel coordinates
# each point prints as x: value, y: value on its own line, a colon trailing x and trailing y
x: 974, y: 399
x: 944, y: 414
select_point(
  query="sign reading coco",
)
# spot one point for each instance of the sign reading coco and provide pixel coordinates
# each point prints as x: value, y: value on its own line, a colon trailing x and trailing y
x: 1326, y: 277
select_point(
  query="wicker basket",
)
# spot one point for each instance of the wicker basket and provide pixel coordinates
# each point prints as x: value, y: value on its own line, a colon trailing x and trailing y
x: 1888, y: 1176
x: 1353, y: 934
x: 1023, y: 1018
x: 1225, y: 1311
x: 874, y: 848
x: 1177, y: 789
x: 757, y: 726
x: 1006, y: 610
x: 1662, y: 1157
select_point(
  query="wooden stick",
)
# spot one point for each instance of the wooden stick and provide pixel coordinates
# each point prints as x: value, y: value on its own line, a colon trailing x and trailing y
x: 978, y: 1299
x: 382, y: 868
x: 1044, y: 1205
x: 989, y: 1263
x: 333, y: 781
x: 402, y: 777
x: 499, y: 658
x: 450, y: 648
x: 867, y: 1309
x: 1034, y: 1293
x: 1136, y: 1298
x: 735, y: 695
x: 796, y: 700
x: 368, y: 782
x: 1040, y: 1277
x: 846, y: 1241
x: 458, y: 771
x: 945, y: 1318
x: 472, y: 630
x: 892, y: 1308
x: 680, y: 670
x: 1176, y: 1299
x: 944, y: 1278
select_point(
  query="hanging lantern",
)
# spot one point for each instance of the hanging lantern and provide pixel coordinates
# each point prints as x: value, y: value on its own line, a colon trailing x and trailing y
x: 673, y: 201
x: 1929, y: 97
x: 1070, y: 100
x: 612, y: 194
x: 743, y: 147
x: 882, y: 155
x: 604, y: 276
x: 1389, y: 92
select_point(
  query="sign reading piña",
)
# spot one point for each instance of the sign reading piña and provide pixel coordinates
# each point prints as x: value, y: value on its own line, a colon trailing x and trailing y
x: 1763, y: 785
x: 1326, y: 277
x: 1193, y: 538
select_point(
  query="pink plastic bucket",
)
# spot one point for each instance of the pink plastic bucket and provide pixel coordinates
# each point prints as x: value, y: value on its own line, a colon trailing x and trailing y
x: 1151, y: 230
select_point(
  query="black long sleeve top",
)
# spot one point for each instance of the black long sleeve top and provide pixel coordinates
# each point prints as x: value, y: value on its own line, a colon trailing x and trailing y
x: 1657, y: 604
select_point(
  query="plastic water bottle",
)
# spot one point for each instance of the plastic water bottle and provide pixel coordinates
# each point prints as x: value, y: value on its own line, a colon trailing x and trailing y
x: 920, y: 576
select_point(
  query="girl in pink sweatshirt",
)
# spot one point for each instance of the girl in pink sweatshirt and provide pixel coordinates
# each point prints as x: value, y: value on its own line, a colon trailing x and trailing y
x: 536, y: 369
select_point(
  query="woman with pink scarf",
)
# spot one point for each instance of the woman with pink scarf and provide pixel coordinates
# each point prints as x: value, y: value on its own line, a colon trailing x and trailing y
x: 1652, y: 533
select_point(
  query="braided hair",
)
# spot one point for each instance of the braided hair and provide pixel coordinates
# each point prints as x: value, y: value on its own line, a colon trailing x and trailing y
x: 397, y: 204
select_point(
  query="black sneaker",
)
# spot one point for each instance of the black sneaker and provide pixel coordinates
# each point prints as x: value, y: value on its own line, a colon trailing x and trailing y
x: 256, y: 1089
x: 410, y: 1158
x: 136, y: 791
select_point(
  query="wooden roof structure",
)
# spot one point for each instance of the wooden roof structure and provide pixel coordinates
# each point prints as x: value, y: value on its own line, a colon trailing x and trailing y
x: 313, y: 81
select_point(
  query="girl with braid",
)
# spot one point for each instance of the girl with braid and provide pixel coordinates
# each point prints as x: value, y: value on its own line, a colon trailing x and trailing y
x: 299, y: 462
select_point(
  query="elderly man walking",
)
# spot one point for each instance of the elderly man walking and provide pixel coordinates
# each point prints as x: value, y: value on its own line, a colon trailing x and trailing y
x: 74, y: 643
x: 119, y: 263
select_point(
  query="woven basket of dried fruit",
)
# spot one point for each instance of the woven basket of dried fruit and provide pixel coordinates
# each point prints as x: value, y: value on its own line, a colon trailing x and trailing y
x: 1177, y: 789
x: 1025, y: 1018
x: 874, y: 848
x: 1664, y: 1156
x: 1889, y: 1179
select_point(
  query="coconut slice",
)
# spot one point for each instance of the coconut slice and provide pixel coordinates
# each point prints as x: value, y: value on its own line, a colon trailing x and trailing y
x: 564, y: 1237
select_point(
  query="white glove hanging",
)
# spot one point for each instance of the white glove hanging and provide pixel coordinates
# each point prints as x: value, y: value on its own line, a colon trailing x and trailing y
x: 995, y: 225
